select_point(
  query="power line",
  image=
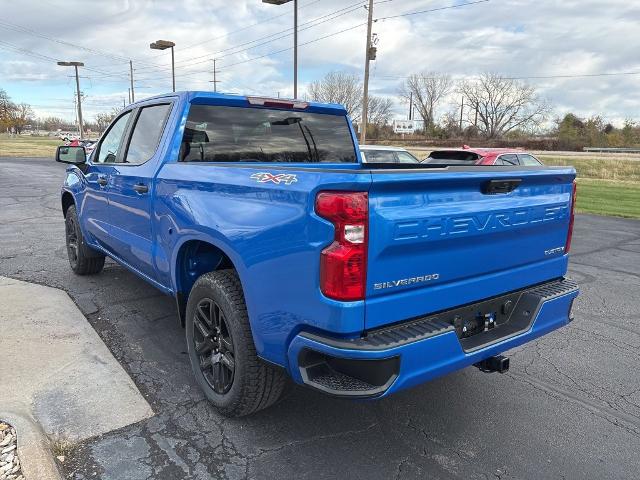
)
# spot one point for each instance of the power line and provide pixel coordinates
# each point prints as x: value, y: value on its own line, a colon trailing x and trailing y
x: 311, y: 23
x: 42, y: 57
x: 187, y: 74
x: 431, y: 10
x: 21, y: 29
x: 270, y: 38
x: 352, y: 28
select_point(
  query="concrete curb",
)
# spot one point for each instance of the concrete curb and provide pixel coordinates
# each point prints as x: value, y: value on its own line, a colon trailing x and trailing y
x: 34, y: 450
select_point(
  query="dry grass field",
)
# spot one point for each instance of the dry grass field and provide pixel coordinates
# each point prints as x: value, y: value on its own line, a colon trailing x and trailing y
x: 608, y: 184
x: 28, y: 146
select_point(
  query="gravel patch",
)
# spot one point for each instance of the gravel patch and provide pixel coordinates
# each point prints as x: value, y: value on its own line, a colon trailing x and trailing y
x: 9, y: 462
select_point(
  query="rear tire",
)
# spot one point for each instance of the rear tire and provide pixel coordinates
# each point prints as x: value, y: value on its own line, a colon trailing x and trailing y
x: 83, y: 259
x: 221, y: 349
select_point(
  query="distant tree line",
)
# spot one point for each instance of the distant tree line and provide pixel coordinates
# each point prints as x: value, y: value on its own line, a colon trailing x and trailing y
x: 574, y: 133
x: 493, y: 110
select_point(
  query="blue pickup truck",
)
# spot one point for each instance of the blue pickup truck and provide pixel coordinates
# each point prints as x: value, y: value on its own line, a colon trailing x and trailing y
x: 290, y: 258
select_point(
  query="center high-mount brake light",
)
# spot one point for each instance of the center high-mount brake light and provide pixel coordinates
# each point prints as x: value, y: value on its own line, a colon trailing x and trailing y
x: 277, y: 103
x: 343, y: 264
x: 571, y: 217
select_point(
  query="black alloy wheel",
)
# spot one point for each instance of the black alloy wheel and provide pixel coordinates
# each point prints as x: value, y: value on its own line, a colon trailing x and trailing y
x: 72, y: 240
x: 213, y: 344
x: 220, y: 345
x: 83, y: 259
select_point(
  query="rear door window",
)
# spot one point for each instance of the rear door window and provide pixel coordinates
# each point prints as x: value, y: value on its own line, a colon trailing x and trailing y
x: 529, y: 160
x: 380, y: 156
x: 236, y: 134
x: 404, y: 157
x: 508, y: 159
x: 146, y: 134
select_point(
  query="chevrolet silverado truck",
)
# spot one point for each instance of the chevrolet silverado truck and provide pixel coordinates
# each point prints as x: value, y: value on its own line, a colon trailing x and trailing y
x: 288, y: 256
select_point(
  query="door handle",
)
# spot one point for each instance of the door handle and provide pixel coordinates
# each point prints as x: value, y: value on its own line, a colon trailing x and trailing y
x: 492, y: 187
x: 141, y: 188
x: 102, y: 181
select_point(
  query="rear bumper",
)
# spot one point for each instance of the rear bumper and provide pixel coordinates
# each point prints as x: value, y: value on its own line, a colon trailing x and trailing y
x: 410, y: 353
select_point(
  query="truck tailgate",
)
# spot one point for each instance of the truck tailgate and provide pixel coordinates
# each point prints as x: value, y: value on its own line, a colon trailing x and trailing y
x: 441, y: 238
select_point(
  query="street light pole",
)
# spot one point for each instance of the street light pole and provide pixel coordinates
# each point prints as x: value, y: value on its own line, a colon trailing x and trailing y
x: 163, y: 45
x: 76, y: 65
x: 295, y: 40
x: 173, y: 70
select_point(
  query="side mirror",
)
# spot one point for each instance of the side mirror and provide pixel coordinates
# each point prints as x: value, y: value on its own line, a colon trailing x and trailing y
x: 72, y: 155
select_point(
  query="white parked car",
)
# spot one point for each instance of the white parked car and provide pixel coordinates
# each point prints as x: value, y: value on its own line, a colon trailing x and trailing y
x: 68, y: 136
x: 384, y: 154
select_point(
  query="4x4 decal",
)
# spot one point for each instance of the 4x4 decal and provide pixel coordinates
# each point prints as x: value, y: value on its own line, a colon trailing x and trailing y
x: 264, y: 177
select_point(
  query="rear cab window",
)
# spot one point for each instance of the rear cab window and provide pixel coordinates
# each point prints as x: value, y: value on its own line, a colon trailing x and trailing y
x: 216, y: 133
x: 453, y: 157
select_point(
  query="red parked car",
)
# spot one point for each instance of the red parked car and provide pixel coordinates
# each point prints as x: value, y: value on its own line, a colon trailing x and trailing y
x: 482, y: 156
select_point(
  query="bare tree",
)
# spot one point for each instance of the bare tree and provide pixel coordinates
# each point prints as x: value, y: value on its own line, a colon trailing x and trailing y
x: 503, y: 104
x: 379, y: 111
x: 105, y: 118
x: 55, y: 123
x: 23, y: 115
x: 426, y: 90
x: 338, y: 87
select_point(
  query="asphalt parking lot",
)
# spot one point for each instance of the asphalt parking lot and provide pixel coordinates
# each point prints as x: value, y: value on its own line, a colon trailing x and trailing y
x: 568, y: 408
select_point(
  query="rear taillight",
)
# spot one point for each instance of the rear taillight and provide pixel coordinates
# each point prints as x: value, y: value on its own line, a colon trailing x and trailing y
x: 571, y: 217
x: 343, y: 264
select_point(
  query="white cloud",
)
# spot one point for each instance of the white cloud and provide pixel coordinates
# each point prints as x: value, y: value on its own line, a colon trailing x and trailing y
x: 516, y: 38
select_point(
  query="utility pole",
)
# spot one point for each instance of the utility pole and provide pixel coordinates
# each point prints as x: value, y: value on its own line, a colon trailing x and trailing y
x: 461, y: 109
x: 215, y: 81
x: 133, y: 99
x: 475, y: 121
x: 365, y: 96
x: 80, y: 127
x: 123, y: 104
x: 129, y: 94
x: 410, y: 105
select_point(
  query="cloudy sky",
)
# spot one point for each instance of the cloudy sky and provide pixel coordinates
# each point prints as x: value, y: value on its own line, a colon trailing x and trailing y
x: 574, y: 41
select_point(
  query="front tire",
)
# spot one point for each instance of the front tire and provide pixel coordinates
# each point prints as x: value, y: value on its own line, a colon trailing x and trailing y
x: 221, y: 349
x: 83, y: 259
